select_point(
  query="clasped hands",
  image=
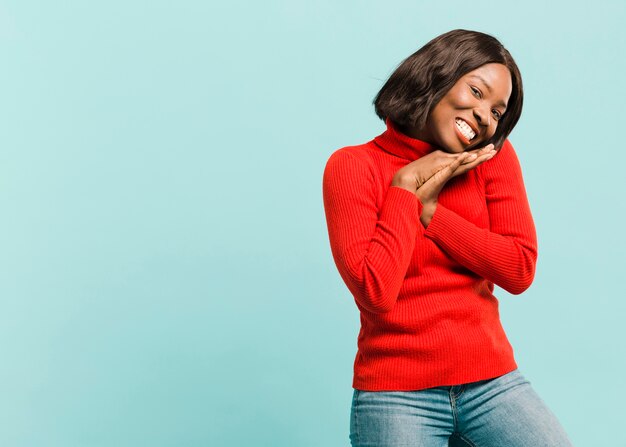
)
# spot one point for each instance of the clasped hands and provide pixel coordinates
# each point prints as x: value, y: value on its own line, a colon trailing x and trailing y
x: 426, y: 176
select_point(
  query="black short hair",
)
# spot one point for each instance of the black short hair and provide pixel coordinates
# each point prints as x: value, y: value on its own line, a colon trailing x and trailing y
x: 423, y: 79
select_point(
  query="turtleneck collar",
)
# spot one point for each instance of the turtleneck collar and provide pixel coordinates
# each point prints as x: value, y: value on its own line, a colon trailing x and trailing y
x: 395, y: 142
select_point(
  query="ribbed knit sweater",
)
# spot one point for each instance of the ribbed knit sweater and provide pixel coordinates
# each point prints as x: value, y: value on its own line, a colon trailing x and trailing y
x: 428, y: 313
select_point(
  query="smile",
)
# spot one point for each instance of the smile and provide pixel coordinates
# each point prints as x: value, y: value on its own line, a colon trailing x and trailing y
x: 465, y: 129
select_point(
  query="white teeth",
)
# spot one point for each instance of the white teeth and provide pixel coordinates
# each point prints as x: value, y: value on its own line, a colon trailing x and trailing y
x: 465, y: 129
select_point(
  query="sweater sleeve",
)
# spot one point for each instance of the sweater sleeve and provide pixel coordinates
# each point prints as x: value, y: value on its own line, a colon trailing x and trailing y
x: 506, y: 252
x: 371, y: 247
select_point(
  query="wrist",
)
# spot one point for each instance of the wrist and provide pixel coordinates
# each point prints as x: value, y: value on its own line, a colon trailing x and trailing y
x: 404, y: 184
x: 428, y: 211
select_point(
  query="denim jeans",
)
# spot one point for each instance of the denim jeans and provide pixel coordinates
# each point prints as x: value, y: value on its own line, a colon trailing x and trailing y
x: 501, y: 412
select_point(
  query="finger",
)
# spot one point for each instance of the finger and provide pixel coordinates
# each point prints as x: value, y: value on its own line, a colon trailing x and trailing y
x: 434, y: 185
x: 470, y: 158
x: 476, y: 161
x: 444, y: 160
x: 449, y: 169
x: 478, y: 152
x: 482, y: 150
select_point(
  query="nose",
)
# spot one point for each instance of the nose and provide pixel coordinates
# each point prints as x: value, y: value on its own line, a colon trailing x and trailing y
x: 482, y: 116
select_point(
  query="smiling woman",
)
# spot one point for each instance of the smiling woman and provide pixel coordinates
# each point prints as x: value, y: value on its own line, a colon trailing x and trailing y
x: 449, y: 64
x: 469, y: 113
x: 423, y: 221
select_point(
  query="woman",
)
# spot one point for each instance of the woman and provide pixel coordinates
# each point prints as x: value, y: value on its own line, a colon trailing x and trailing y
x: 423, y: 220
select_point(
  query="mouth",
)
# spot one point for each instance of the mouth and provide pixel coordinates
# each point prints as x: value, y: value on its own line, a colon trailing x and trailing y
x: 465, y: 130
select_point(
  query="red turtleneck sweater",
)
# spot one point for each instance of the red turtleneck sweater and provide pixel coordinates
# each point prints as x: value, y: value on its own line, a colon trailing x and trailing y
x: 428, y: 314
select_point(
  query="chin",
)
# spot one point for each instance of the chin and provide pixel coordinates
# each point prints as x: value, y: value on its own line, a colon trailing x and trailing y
x: 456, y: 149
x: 454, y: 145
x: 473, y: 145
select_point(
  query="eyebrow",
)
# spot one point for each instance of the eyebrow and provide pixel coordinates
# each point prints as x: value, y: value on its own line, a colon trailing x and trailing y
x: 501, y: 103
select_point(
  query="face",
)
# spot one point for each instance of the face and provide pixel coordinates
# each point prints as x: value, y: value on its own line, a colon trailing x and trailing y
x: 468, y: 114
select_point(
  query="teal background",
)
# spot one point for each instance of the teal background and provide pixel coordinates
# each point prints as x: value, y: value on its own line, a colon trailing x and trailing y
x: 165, y: 272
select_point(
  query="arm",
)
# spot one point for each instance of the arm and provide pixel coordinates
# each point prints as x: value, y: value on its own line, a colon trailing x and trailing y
x: 506, y: 253
x: 372, y: 248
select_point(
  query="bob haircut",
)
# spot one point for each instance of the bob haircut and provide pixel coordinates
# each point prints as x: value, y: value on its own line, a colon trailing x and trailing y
x: 423, y: 79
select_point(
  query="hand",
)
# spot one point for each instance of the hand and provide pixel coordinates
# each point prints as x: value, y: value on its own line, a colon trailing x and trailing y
x: 428, y: 192
x: 482, y: 155
x: 412, y: 176
x: 415, y: 174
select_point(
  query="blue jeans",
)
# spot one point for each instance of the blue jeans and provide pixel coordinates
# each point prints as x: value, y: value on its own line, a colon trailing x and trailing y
x: 500, y: 412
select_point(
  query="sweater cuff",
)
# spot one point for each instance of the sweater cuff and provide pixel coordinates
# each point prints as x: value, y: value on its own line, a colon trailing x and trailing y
x: 442, y: 222
x: 402, y: 199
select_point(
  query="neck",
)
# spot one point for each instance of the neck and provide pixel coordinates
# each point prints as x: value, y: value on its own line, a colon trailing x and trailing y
x: 414, y: 132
